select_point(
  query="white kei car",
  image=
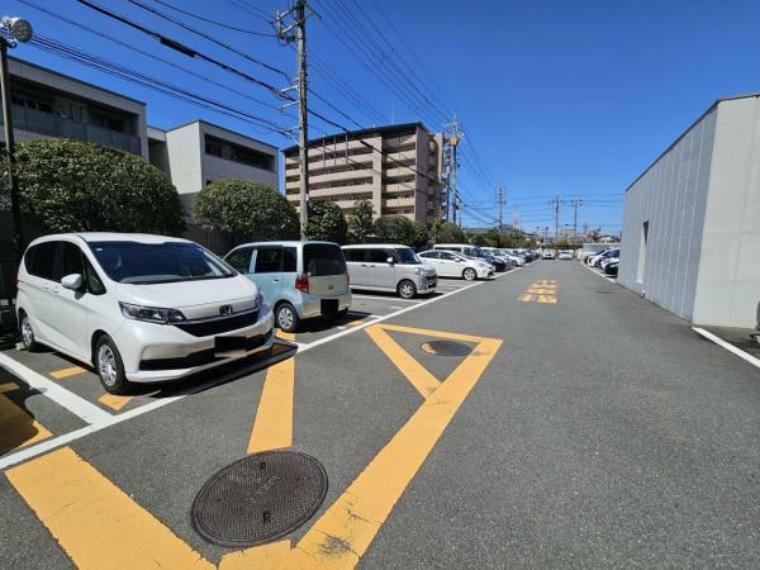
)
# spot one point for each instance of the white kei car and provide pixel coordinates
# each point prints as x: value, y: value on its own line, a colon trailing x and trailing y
x: 452, y: 264
x: 139, y: 308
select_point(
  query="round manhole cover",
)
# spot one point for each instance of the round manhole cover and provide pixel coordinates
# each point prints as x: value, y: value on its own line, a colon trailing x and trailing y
x: 259, y: 498
x: 445, y: 348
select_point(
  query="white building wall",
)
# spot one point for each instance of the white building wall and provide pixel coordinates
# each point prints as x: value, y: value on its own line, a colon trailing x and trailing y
x: 671, y: 195
x: 184, y: 150
x: 729, y: 276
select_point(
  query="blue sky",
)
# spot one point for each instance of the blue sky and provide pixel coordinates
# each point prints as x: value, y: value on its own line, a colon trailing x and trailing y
x: 555, y: 97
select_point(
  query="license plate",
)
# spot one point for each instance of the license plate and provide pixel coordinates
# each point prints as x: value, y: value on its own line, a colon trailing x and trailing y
x: 230, y: 345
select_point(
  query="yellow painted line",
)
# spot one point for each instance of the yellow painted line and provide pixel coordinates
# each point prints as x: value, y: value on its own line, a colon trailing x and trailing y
x: 96, y: 523
x: 428, y: 332
x: 113, y: 401
x: 423, y: 381
x: 290, y: 337
x: 17, y: 427
x: 66, y: 372
x: 273, y: 426
x: 547, y: 299
x: 354, y: 323
x: 526, y: 297
x: 346, y: 530
x: 541, y: 291
x: 265, y: 556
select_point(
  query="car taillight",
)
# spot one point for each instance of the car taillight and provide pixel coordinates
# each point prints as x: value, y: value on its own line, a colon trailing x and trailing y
x: 302, y: 283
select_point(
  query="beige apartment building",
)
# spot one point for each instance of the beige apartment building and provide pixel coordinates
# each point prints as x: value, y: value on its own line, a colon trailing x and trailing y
x: 396, y: 167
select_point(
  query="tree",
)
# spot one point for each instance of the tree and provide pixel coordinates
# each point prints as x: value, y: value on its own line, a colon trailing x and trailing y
x: 360, y: 221
x: 420, y: 235
x: 326, y: 222
x: 494, y: 238
x: 246, y: 210
x: 478, y: 239
x: 68, y: 185
x: 446, y: 232
x: 395, y: 229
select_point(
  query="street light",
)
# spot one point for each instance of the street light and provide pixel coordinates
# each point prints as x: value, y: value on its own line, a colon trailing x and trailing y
x: 12, y: 31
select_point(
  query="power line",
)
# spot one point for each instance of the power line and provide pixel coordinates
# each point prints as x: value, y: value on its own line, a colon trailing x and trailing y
x: 213, y: 22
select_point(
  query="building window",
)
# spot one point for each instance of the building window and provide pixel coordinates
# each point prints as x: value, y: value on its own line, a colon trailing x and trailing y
x: 238, y: 153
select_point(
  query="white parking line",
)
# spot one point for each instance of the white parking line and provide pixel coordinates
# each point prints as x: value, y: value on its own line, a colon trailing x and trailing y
x: 84, y: 410
x: 110, y: 420
x: 379, y: 298
x: 728, y: 346
x: 598, y: 274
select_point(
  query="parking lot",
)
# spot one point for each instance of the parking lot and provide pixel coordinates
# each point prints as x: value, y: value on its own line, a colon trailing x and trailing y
x: 545, y: 418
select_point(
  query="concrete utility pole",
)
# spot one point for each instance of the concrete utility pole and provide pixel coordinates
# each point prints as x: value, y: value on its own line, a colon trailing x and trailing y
x: 452, y: 135
x: 557, y: 202
x: 18, y: 30
x: 500, y: 199
x: 296, y: 32
x: 576, y: 203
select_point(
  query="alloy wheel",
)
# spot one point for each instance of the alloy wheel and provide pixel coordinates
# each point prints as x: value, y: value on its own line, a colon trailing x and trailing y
x: 107, y: 365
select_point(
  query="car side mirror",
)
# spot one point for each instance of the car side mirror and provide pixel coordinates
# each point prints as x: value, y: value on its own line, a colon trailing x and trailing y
x: 73, y: 281
x: 390, y: 261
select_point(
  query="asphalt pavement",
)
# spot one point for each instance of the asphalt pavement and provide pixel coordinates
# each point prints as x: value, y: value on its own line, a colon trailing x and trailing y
x: 585, y: 428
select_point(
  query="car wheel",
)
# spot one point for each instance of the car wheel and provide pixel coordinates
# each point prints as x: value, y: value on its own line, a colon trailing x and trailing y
x: 110, y: 367
x: 286, y: 318
x: 342, y: 314
x: 407, y: 289
x: 469, y: 274
x: 27, y: 333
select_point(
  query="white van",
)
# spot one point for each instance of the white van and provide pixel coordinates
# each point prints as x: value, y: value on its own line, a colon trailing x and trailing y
x: 389, y: 267
x: 139, y: 308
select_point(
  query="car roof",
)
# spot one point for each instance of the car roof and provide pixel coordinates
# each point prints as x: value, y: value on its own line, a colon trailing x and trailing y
x: 455, y: 245
x: 90, y: 237
x: 366, y: 245
x: 294, y: 243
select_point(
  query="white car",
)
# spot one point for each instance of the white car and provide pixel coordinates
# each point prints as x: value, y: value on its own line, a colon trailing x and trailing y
x: 548, y: 254
x: 606, y: 261
x: 139, y: 308
x: 452, y: 264
x: 566, y: 254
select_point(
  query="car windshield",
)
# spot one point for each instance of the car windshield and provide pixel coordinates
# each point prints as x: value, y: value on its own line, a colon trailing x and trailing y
x: 146, y: 263
x: 406, y: 255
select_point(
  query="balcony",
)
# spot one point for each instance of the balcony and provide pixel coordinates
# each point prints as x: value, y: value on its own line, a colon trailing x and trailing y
x: 51, y: 125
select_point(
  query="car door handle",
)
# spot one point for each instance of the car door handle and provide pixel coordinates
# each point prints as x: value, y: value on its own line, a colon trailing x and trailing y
x: 275, y: 280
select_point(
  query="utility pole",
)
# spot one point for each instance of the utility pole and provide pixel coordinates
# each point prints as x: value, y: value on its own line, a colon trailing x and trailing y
x: 452, y: 135
x: 18, y: 30
x: 500, y: 199
x: 556, y: 202
x: 576, y: 203
x: 296, y: 32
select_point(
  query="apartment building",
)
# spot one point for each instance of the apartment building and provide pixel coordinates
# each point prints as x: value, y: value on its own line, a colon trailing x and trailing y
x: 195, y: 154
x: 396, y: 167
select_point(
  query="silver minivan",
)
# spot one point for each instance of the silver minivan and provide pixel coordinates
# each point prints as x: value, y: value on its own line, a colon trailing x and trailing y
x: 389, y: 267
x: 298, y: 279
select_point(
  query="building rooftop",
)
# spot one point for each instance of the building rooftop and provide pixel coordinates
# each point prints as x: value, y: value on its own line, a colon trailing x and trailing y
x: 380, y: 130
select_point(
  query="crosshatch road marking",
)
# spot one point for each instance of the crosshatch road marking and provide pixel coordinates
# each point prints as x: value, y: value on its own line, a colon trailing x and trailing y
x: 17, y: 427
x: 543, y: 291
x: 99, y: 526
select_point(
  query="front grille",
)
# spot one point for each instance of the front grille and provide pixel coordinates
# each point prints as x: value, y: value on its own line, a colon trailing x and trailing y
x: 199, y: 358
x: 209, y: 327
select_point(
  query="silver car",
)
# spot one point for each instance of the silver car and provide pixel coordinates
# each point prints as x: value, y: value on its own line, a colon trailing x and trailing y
x: 389, y: 267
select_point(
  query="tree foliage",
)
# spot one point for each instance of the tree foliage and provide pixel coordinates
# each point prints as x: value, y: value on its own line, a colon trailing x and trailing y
x: 360, y: 221
x: 395, y: 229
x: 446, y: 232
x: 246, y: 210
x: 68, y: 185
x: 326, y: 222
x: 420, y: 235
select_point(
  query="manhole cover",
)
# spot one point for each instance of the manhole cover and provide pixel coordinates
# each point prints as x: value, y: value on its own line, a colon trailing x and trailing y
x: 259, y: 498
x: 445, y: 348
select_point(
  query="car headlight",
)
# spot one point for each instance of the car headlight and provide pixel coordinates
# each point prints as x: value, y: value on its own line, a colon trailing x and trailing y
x: 151, y: 314
x: 259, y: 301
x: 419, y: 270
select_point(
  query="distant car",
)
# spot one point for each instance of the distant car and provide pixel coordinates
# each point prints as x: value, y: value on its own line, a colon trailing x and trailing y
x: 566, y: 255
x: 452, y: 264
x: 547, y: 254
x: 299, y: 280
x: 607, y: 261
x: 389, y: 267
x: 612, y: 268
x: 597, y: 260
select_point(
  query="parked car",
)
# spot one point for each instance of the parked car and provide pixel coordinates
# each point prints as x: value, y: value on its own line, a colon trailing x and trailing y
x: 612, y: 268
x: 452, y: 264
x: 566, y: 254
x: 597, y: 259
x: 503, y: 256
x: 298, y: 279
x: 548, y: 254
x: 389, y: 267
x: 139, y: 308
x: 606, y: 261
x: 472, y: 251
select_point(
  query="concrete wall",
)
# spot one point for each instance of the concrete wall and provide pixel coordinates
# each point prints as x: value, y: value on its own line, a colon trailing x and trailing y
x: 184, y: 148
x: 728, y: 289
x: 671, y: 195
